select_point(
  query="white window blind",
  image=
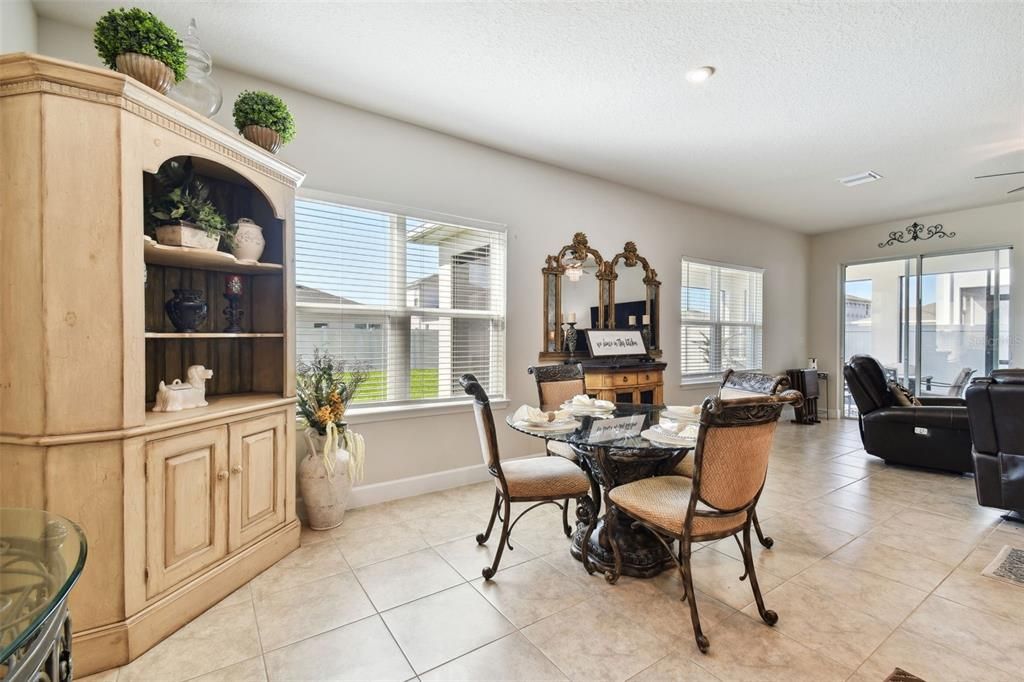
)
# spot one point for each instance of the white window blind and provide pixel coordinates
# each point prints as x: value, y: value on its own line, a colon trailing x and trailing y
x: 721, y: 319
x: 416, y: 302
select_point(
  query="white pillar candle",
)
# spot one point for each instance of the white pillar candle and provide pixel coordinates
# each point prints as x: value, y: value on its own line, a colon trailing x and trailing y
x: 571, y: 317
x: 632, y: 320
x: 647, y: 319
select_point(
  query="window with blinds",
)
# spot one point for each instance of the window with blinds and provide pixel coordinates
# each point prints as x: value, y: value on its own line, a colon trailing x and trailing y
x: 720, y: 319
x: 415, y: 302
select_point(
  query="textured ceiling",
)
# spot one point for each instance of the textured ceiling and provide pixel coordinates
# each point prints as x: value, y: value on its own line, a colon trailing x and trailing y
x: 927, y: 94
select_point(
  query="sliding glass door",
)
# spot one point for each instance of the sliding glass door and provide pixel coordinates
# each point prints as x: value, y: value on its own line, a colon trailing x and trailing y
x: 931, y: 332
x: 964, y: 327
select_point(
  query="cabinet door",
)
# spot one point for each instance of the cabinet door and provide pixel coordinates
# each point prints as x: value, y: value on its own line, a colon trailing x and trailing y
x: 257, y: 491
x: 186, y: 505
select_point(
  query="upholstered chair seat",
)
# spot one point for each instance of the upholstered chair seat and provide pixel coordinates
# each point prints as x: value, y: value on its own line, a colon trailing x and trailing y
x: 663, y: 502
x: 544, y: 477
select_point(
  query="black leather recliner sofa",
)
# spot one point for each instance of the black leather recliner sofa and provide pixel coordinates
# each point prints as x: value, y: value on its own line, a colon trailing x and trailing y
x: 996, y: 408
x: 935, y: 435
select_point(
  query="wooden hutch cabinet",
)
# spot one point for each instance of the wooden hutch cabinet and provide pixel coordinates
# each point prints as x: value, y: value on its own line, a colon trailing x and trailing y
x: 179, y: 508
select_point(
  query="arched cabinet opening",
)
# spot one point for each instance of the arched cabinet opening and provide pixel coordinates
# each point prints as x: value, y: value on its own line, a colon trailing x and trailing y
x: 215, y: 253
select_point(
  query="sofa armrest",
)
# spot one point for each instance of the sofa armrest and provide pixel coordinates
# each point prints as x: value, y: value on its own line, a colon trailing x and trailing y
x: 942, y: 401
x: 931, y: 417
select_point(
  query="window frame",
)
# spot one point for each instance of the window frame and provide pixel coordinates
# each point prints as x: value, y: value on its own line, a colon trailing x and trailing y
x: 418, y: 407
x: 709, y: 378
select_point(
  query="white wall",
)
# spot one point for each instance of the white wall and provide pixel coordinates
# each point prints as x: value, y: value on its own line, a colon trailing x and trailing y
x: 17, y: 26
x: 976, y: 228
x: 356, y: 153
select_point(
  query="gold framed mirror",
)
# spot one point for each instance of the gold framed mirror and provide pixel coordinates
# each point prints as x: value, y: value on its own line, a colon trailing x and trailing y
x: 634, y: 296
x: 570, y: 294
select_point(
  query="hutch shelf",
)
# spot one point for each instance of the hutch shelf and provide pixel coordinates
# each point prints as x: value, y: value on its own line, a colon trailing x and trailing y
x: 181, y: 508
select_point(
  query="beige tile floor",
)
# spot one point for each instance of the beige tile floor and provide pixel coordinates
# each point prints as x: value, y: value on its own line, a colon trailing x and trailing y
x: 874, y: 567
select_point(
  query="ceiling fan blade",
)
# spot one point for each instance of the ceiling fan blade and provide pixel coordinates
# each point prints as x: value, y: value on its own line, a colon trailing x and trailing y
x: 997, y: 175
x: 1016, y: 190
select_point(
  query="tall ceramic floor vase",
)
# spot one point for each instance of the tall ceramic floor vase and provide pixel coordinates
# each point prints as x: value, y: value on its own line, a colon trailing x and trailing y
x: 325, y: 485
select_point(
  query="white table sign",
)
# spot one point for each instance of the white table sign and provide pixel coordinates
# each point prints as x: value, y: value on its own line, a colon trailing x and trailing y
x: 606, y: 342
x: 605, y: 430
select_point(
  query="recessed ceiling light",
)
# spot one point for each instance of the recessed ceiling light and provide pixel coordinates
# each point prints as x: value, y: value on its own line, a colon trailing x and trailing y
x: 859, y: 178
x: 701, y: 74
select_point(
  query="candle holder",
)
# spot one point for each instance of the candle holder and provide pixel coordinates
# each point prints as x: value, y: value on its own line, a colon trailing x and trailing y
x: 645, y: 332
x: 233, y: 313
x: 571, y: 336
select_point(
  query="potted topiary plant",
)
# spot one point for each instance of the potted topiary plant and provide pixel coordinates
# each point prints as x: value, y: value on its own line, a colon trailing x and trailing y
x: 138, y: 44
x: 263, y: 118
x: 181, y: 210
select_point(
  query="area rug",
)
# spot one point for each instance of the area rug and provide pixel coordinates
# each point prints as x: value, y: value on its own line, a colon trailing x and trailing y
x: 1008, y: 566
x: 901, y: 675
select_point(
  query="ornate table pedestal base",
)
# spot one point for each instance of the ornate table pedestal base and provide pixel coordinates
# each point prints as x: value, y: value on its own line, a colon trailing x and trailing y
x: 642, y: 555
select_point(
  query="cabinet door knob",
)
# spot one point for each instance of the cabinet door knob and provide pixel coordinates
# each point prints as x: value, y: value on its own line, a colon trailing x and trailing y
x: 222, y: 474
x: 237, y: 469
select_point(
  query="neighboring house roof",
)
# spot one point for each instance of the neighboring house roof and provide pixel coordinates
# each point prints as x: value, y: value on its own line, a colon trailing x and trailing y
x: 423, y: 280
x: 304, y: 294
x: 857, y: 299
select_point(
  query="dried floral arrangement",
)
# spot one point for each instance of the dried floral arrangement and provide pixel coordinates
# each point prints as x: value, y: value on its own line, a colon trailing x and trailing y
x: 325, y: 386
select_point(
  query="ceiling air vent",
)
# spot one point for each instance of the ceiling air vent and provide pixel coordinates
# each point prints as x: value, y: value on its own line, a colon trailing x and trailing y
x: 859, y: 179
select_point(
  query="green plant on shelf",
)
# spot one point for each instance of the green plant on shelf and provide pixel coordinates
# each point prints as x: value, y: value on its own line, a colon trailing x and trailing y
x: 261, y: 108
x: 184, y: 197
x: 121, y: 31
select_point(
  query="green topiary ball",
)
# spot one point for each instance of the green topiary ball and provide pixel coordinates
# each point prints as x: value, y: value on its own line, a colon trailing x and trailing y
x: 135, y: 30
x: 260, y: 108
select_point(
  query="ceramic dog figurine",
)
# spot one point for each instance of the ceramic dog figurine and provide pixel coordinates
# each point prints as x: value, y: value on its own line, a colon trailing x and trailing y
x: 178, y: 396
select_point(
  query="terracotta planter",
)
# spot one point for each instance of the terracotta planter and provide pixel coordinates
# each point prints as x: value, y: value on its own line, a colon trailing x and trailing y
x: 249, y: 242
x: 264, y: 137
x: 146, y: 70
x: 186, y: 234
x: 324, y: 495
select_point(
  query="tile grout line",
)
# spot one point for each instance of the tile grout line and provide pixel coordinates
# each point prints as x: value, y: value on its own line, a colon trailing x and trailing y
x: 909, y: 615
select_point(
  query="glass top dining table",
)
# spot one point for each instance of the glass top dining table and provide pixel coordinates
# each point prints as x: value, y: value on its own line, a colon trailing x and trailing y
x: 609, y: 463
x: 580, y: 435
x: 41, y: 558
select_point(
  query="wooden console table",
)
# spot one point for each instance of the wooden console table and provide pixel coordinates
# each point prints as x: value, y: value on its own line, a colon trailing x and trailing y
x: 640, y: 384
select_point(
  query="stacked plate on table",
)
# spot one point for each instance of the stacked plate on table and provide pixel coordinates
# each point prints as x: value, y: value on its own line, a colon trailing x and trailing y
x: 585, y: 406
x: 682, y: 413
x: 676, y: 434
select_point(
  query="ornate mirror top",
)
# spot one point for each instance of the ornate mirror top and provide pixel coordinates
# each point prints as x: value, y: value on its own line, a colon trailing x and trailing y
x: 630, y: 257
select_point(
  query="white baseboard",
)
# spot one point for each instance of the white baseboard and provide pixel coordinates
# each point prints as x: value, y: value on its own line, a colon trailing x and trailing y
x: 375, y: 493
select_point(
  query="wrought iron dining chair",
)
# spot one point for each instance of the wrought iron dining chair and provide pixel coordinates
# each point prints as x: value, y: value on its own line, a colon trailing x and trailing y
x: 555, y: 385
x: 541, y: 480
x: 738, y: 385
x: 730, y: 465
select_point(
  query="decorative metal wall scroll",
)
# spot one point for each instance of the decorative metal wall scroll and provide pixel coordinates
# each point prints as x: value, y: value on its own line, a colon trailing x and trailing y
x: 916, y: 232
